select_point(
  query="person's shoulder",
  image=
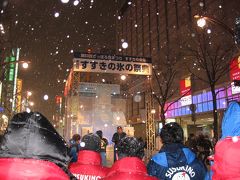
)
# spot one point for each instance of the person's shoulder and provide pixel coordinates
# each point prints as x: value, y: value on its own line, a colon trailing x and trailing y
x: 160, y: 159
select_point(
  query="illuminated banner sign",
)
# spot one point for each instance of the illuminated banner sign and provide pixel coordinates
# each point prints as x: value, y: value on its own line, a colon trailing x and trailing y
x: 185, y: 87
x: 235, y: 89
x: 186, y: 100
x: 19, y: 95
x: 11, y: 70
x: 235, y: 69
x: 112, y: 64
x: 78, y: 55
x: 185, y: 91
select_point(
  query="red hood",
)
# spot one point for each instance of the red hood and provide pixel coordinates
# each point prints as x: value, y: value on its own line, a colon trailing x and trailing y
x: 227, y: 159
x: 18, y: 169
x: 129, y: 164
x: 89, y: 157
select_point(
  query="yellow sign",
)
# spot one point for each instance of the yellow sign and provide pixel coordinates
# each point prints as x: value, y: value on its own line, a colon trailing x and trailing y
x: 19, y: 95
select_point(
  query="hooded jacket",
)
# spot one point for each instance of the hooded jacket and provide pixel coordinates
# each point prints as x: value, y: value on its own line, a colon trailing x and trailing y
x: 129, y: 168
x: 226, y: 159
x: 31, y: 145
x: 175, y: 161
x: 88, y: 166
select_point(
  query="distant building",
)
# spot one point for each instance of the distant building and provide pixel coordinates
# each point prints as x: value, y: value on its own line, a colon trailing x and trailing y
x: 157, y: 29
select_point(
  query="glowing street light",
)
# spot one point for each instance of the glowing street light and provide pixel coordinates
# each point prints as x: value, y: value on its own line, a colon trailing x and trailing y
x: 201, y: 22
x: 25, y: 65
x: 31, y: 103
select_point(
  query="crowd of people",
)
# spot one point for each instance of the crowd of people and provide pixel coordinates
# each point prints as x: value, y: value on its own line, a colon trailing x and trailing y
x: 32, y: 149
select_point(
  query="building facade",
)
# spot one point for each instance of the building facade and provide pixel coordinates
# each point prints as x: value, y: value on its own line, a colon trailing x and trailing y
x: 159, y: 29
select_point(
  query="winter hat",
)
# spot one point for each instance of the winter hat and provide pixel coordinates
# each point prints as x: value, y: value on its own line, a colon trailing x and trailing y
x: 91, y: 142
x: 172, y: 133
x: 130, y: 147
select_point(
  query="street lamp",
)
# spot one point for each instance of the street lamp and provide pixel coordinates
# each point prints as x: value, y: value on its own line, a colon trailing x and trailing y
x: 25, y: 65
x: 202, y: 21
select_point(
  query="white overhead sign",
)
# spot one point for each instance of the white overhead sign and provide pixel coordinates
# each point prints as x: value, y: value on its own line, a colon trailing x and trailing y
x: 102, y: 63
x: 109, y: 66
x: 235, y: 89
x: 186, y: 100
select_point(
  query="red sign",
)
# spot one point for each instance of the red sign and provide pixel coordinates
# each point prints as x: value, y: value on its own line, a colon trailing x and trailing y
x: 185, y: 87
x: 235, y: 69
x: 58, y: 99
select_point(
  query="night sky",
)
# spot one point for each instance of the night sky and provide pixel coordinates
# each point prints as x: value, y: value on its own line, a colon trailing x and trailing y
x: 48, y: 41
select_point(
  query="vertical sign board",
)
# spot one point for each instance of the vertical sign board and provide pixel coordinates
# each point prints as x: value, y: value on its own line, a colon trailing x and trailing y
x: 19, y: 95
x: 16, y: 53
x: 185, y: 91
x: 235, y: 74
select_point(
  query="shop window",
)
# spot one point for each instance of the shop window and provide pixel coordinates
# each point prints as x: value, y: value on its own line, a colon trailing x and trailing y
x: 194, y: 99
x: 183, y: 111
x: 199, y: 108
x: 176, y: 112
x: 210, y: 106
x: 221, y: 93
x: 199, y: 98
x: 204, y: 97
x: 205, y: 107
x: 209, y: 96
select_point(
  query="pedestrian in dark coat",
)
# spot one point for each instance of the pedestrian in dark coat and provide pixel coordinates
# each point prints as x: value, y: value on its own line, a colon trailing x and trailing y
x: 116, y: 138
x: 175, y: 161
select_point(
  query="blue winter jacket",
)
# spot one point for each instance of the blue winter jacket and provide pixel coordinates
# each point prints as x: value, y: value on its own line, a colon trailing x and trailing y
x: 175, y: 161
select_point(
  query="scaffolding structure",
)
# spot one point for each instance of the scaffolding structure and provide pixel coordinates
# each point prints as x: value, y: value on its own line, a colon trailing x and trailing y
x: 150, y: 126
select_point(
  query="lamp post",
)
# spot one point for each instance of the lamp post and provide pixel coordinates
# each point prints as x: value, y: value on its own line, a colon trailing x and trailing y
x: 202, y: 21
x: 25, y: 65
